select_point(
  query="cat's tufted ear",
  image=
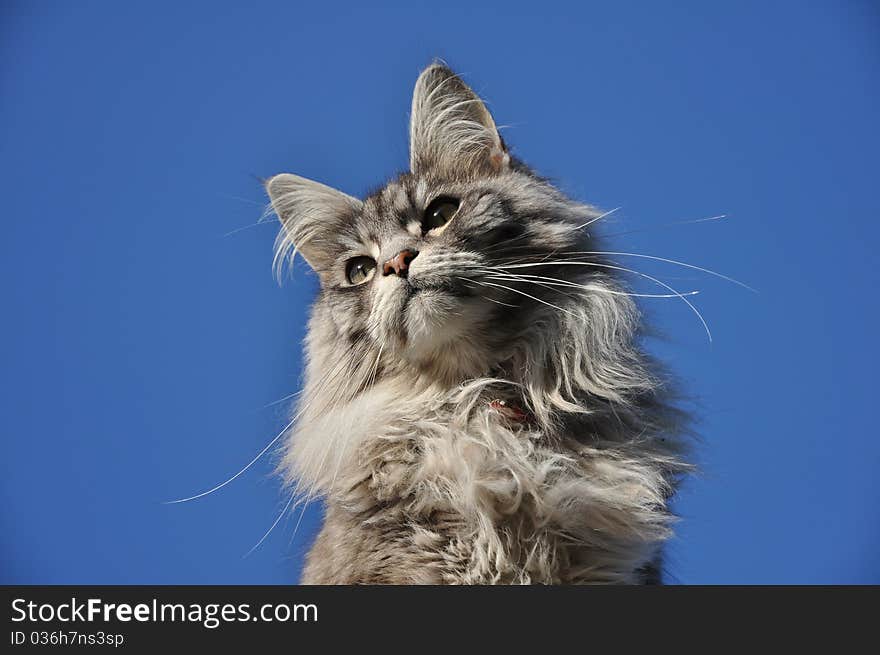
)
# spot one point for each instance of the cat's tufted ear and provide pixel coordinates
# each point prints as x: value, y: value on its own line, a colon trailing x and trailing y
x: 451, y: 132
x: 311, y: 215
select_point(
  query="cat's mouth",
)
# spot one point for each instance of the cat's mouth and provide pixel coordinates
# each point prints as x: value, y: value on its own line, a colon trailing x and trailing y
x: 434, y: 302
x: 451, y: 287
x: 435, y: 315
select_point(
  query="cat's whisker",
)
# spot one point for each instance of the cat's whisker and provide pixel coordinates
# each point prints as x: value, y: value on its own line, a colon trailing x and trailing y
x: 249, y: 464
x: 272, y: 527
x: 523, y: 293
x: 599, y: 289
x: 627, y: 270
x: 299, y: 500
x: 597, y: 218
x: 600, y: 253
x: 302, y: 513
x: 240, y: 199
x: 593, y: 288
x: 497, y: 302
x: 246, y: 467
x: 533, y: 258
x: 529, y: 235
x: 253, y: 461
x: 664, y: 225
x: 507, y: 242
x: 246, y: 227
x: 281, y: 400
x: 510, y: 277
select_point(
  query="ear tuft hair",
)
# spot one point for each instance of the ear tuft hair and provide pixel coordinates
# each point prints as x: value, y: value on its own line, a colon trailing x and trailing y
x: 452, y: 132
x: 310, y: 213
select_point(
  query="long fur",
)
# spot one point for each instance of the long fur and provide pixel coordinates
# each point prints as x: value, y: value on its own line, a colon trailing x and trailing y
x: 474, y: 423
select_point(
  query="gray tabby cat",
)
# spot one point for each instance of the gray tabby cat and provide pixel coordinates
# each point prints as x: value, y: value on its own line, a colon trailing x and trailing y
x: 476, y: 408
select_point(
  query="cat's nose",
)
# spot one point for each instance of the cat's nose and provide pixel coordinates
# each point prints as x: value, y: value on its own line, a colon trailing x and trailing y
x: 399, y: 264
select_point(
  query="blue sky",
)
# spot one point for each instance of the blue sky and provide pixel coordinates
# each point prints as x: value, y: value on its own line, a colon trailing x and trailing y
x: 141, y: 342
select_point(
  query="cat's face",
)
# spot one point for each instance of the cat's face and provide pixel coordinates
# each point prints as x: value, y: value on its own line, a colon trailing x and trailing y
x: 416, y: 268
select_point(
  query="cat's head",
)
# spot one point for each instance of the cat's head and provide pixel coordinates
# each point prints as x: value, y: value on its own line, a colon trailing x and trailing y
x: 425, y: 269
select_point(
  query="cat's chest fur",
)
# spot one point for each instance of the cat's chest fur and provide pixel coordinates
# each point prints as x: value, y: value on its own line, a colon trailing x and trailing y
x: 476, y: 494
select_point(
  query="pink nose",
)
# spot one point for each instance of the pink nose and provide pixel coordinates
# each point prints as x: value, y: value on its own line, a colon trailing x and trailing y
x: 399, y: 264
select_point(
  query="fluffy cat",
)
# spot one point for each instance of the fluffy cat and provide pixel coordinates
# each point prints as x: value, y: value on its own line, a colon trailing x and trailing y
x: 477, y: 408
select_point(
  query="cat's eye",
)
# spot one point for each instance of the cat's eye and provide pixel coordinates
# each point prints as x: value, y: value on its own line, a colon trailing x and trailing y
x: 439, y: 212
x: 359, y: 269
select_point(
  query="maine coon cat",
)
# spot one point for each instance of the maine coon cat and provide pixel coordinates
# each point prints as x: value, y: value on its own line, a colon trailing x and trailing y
x: 477, y: 408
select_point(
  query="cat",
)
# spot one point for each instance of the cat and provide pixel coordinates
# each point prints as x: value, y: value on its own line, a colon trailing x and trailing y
x: 477, y: 408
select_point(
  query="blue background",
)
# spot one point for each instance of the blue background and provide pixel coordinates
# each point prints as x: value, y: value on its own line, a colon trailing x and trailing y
x: 140, y: 342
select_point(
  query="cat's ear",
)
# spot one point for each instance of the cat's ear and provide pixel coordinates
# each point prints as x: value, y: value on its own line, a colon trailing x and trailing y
x: 311, y: 215
x: 451, y: 132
